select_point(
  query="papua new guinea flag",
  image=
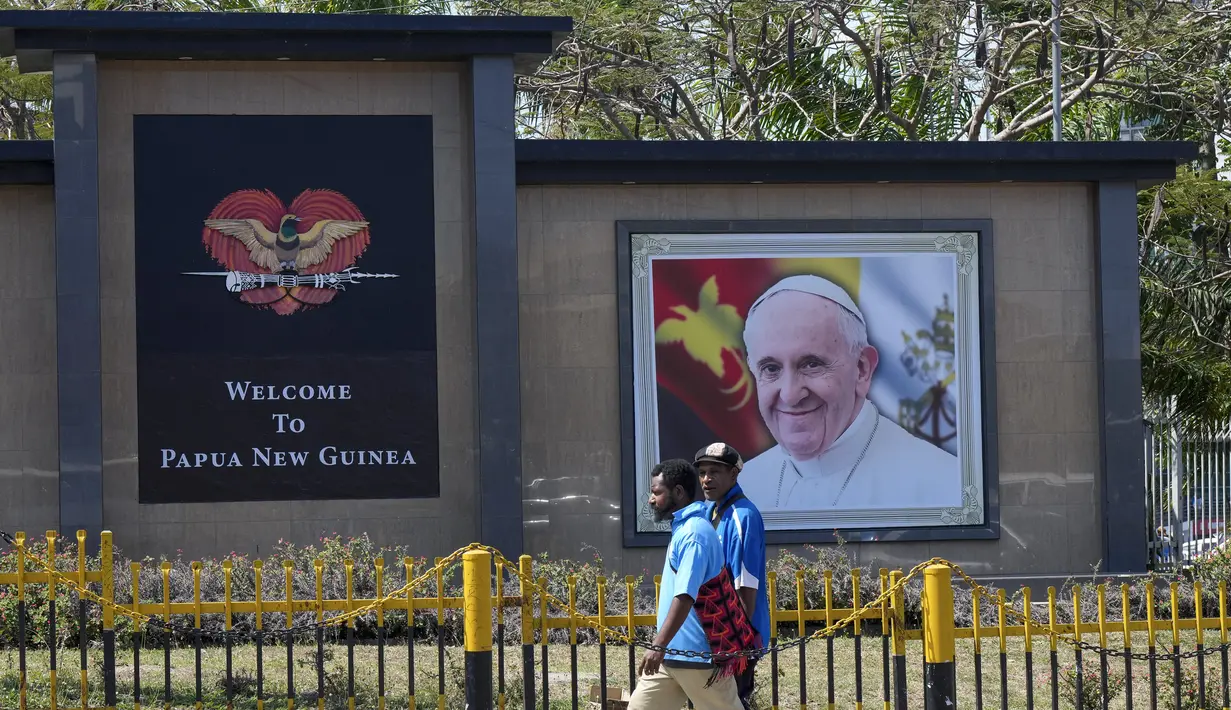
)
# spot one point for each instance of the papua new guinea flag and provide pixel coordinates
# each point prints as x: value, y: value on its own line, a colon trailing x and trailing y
x: 705, y: 387
x: 705, y: 390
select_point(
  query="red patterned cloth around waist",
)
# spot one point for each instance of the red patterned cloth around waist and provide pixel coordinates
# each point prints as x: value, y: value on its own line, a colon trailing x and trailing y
x: 726, y: 625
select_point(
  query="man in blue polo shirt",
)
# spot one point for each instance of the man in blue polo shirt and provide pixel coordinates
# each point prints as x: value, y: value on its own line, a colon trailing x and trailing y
x: 694, y: 557
x: 742, y: 534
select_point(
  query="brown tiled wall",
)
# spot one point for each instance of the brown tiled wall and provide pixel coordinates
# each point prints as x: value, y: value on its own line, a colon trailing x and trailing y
x: 1047, y: 404
x: 29, y: 454
x: 128, y: 88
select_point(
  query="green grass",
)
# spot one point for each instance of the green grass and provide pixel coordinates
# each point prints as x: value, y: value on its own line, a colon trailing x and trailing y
x: 213, y: 662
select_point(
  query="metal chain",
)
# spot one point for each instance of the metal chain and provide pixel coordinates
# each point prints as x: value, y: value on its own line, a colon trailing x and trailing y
x: 1123, y: 652
x: 154, y: 622
x: 751, y: 653
x: 1072, y: 640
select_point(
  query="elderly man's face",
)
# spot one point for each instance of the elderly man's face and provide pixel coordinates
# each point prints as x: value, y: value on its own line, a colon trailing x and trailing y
x: 809, y: 383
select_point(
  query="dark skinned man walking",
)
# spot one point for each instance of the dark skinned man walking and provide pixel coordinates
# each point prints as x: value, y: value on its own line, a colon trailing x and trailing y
x: 694, y: 558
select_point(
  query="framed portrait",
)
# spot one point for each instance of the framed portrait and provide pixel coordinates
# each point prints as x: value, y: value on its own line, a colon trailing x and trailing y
x: 845, y: 361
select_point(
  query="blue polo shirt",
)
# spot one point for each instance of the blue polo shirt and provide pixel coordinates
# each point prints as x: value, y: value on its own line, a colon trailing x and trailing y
x: 694, y: 557
x: 742, y: 534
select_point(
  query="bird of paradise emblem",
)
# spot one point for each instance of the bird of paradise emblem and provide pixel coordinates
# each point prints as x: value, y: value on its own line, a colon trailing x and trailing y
x: 287, y: 259
x: 706, y: 333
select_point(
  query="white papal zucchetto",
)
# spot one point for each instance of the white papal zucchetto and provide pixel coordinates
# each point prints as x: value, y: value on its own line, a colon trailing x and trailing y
x: 814, y: 285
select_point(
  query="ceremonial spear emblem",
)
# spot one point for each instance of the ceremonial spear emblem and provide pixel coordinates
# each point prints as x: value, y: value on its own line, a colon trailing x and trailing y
x: 302, y: 262
x: 239, y: 281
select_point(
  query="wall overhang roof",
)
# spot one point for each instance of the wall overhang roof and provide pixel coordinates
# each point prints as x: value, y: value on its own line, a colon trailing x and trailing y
x: 542, y: 162
x: 27, y: 163
x: 35, y: 35
x: 674, y: 162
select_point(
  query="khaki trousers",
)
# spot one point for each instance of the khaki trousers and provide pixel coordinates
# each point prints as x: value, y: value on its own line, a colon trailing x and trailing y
x: 670, y: 688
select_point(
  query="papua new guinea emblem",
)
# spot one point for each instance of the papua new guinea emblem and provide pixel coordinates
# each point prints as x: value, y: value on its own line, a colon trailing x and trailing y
x: 287, y: 258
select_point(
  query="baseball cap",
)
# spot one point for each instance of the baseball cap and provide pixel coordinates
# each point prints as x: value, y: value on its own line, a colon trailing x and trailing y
x: 720, y: 453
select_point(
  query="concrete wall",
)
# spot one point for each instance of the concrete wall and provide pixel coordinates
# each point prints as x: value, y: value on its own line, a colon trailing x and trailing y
x: 1045, y: 359
x: 128, y: 88
x: 29, y: 436
x: 1047, y: 409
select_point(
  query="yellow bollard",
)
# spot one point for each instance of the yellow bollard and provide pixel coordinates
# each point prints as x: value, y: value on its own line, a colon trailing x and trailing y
x: 106, y: 553
x: 939, y: 680
x: 81, y: 607
x: 477, y: 608
x: 51, y: 601
x: 526, y: 565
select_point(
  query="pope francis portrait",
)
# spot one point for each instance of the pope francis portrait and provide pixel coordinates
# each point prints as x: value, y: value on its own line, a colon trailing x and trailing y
x: 807, y: 347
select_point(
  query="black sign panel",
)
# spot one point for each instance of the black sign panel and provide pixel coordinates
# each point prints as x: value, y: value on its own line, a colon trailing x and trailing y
x: 286, y: 308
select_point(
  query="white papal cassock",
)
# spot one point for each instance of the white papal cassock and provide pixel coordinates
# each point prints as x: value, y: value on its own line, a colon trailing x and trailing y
x: 881, y: 464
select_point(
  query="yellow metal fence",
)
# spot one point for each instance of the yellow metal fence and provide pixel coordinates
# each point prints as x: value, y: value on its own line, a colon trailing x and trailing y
x: 515, y: 595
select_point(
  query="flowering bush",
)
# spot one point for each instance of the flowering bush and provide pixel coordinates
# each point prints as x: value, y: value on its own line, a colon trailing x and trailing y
x: 38, y: 603
x: 1213, y: 566
x: 838, y: 561
x: 333, y: 551
x: 557, y: 573
x: 1091, y: 696
x: 1190, y: 688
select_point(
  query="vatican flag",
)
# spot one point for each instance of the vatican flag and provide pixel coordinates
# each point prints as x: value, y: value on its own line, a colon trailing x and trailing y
x: 908, y: 302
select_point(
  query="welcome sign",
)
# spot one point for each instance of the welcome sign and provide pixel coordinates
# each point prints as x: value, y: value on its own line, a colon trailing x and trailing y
x: 286, y: 314
x: 329, y: 455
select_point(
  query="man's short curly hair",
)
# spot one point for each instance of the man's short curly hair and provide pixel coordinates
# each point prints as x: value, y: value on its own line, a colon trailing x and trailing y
x: 677, y: 472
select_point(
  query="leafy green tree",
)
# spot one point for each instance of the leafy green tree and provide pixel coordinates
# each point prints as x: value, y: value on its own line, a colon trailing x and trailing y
x: 889, y: 70
x: 1185, y: 253
x: 25, y: 103
x: 934, y: 70
x: 937, y: 70
x: 25, y: 99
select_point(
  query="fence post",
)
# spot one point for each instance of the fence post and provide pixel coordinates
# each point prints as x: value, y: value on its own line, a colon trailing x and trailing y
x: 898, y: 607
x: 105, y: 551
x: 477, y: 607
x: 20, y: 544
x: 526, y: 566
x: 83, y: 641
x: 938, y: 648
x: 52, y: 643
x: 1176, y: 488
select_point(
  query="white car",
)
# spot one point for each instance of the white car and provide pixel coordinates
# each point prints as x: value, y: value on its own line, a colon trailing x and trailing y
x: 1205, y: 547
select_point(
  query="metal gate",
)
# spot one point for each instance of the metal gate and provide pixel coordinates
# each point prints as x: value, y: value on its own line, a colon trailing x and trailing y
x: 1188, y: 475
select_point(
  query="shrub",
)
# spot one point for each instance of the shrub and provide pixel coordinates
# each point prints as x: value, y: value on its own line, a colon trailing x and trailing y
x: 1091, y: 684
x: 38, y: 603
x: 1213, y: 566
x: 333, y: 551
x: 586, y: 574
x: 1190, y: 689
